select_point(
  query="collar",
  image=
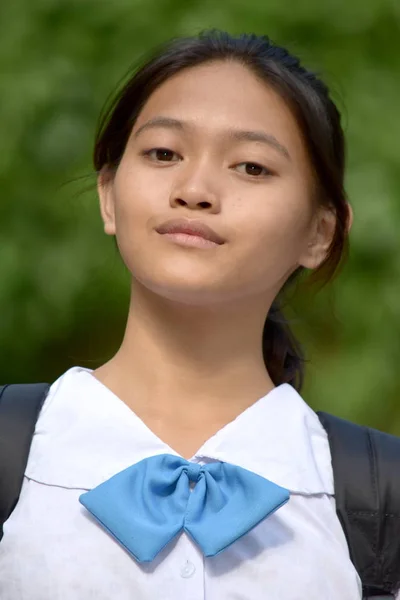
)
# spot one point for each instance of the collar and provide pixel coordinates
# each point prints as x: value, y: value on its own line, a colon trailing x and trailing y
x: 85, y: 434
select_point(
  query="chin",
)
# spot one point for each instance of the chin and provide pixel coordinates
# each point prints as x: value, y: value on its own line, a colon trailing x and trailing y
x: 184, y: 290
x: 193, y: 295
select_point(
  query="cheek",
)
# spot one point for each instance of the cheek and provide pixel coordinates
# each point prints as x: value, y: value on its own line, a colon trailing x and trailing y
x: 138, y: 198
x: 139, y: 202
x: 270, y: 242
x: 279, y: 222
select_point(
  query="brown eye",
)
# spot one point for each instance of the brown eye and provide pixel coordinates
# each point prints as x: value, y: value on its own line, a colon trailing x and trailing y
x: 161, y: 154
x: 253, y: 169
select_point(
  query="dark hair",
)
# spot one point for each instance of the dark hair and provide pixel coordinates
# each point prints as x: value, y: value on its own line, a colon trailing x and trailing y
x: 318, y: 120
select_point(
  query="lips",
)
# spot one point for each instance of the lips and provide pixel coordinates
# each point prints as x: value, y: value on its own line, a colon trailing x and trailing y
x: 190, y: 227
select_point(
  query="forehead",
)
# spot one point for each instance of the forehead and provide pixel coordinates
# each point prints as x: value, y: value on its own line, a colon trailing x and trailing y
x: 218, y: 95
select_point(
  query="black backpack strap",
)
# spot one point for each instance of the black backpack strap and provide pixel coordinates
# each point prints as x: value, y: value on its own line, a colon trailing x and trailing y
x: 20, y: 405
x: 366, y: 467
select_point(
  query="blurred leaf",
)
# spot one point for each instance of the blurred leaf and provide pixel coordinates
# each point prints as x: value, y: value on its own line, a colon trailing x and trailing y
x: 64, y: 291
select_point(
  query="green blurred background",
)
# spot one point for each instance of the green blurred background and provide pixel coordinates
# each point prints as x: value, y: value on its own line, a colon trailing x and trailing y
x: 64, y: 291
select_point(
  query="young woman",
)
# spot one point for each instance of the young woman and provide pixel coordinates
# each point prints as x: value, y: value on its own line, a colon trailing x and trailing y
x: 188, y: 466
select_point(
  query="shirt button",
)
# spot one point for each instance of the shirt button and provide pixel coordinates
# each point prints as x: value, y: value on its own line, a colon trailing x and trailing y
x: 188, y: 569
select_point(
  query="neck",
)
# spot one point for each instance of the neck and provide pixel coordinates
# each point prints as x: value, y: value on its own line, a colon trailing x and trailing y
x: 198, y: 362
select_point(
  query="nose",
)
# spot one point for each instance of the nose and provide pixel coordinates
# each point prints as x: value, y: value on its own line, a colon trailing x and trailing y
x: 196, y: 188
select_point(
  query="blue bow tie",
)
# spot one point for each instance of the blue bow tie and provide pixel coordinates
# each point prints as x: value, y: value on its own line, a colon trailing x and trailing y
x: 145, y: 506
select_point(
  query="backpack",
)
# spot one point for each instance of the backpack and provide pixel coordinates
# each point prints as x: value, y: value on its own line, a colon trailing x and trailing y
x: 366, y: 467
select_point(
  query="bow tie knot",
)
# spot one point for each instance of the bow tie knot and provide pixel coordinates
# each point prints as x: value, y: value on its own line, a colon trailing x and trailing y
x: 193, y: 471
x: 145, y: 506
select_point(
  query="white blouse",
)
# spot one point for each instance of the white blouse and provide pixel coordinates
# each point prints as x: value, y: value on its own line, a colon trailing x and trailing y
x: 53, y: 549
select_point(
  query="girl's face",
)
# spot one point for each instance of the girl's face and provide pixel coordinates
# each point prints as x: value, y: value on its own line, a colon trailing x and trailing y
x: 216, y: 144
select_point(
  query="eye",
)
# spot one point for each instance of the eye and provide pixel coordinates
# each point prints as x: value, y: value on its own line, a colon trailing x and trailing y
x: 161, y: 154
x: 254, y: 169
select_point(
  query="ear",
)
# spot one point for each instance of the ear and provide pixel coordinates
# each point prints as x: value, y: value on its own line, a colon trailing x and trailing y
x: 351, y: 217
x: 105, y: 190
x: 320, y: 238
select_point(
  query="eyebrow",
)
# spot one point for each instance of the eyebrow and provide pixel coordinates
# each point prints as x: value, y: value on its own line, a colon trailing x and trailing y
x: 240, y: 135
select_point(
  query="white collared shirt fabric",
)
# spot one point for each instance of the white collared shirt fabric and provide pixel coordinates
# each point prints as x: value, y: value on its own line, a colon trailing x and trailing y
x: 54, y: 550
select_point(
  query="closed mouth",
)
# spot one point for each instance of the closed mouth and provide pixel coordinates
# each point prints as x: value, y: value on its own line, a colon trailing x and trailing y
x: 195, y: 228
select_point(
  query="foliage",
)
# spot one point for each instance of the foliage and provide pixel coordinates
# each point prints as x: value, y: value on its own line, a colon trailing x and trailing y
x: 63, y: 297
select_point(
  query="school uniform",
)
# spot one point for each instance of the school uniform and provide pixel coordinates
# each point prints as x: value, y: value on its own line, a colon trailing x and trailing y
x: 55, y: 548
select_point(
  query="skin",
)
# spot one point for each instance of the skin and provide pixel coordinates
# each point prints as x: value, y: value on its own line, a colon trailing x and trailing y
x: 191, y: 358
